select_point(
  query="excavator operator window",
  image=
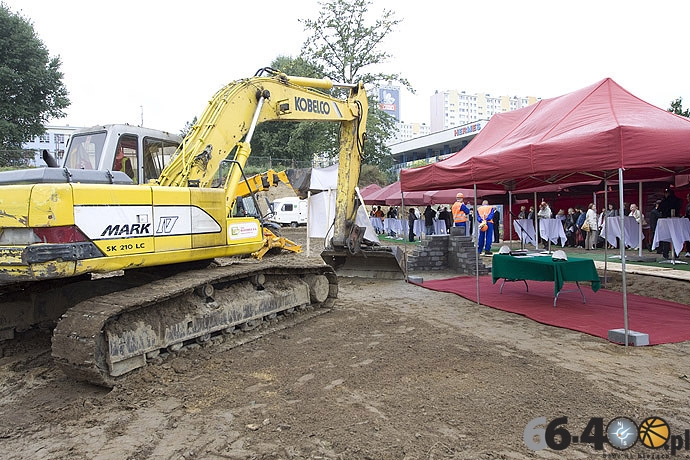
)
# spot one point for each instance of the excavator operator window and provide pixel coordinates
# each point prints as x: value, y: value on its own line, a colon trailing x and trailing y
x: 222, y: 173
x: 157, y: 154
x: 126, y: 156
x: 85, y: 150
x: 245, y: 207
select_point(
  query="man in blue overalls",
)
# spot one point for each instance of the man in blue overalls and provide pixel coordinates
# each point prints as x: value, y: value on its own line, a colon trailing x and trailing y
x: 485, y: 215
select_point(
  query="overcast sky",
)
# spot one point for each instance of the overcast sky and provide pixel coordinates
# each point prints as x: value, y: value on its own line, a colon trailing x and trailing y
x: 166, y: 59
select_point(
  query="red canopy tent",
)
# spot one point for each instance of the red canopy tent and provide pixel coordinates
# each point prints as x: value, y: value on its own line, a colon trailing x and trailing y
x: 379, y: 197
x: 369, y: 189
x: 392, y: 196
x: 581, y: 136
x: 408, y: 199
x: 598, y: 132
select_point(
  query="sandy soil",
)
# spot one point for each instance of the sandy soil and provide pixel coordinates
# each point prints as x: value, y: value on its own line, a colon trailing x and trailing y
x: 394, y: 371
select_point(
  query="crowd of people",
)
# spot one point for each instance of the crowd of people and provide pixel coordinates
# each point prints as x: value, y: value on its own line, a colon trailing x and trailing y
x: 582, y: 226
x: 459, y: 215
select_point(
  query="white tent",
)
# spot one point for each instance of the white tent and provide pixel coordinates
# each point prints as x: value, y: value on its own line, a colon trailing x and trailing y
x: 323, y: 186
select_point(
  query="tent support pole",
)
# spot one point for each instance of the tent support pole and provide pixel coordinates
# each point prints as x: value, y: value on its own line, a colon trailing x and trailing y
x: 405, y: 237
x: 510, y: 219
x: 476, y: 249
x: 536, y: 227
x: 621, y: 218
x: 639, y: 224
x: 606, y: 231
x: 308, y: 220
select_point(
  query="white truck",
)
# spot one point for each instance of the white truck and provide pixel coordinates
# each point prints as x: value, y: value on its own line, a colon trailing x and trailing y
x: 290, y: 211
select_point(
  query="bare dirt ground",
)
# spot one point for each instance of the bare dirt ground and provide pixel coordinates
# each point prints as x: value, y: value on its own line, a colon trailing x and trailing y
x: 394, y: 371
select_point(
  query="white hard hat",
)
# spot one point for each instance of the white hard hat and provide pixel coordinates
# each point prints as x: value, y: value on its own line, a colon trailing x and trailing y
x: 504, y: 250
x: 559, y: 255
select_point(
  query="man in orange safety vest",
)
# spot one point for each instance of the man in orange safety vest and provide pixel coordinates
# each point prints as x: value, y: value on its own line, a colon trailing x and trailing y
x: 460, y: 212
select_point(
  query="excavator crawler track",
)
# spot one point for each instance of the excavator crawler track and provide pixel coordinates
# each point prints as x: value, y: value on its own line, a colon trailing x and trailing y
x: 102, y: 339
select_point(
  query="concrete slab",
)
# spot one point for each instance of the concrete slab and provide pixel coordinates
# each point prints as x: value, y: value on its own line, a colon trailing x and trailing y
x: 663, y: 272
x: 635, y: 338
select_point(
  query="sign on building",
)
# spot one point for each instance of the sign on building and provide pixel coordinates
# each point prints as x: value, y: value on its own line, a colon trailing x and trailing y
x: 389, y: 100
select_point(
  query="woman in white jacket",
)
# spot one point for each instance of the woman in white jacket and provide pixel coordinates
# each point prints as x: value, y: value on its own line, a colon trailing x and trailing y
x: 593, y: 233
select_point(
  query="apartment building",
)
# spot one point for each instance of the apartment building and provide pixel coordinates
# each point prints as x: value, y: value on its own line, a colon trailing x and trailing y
x: 451, y: 108
x: 407, y: 131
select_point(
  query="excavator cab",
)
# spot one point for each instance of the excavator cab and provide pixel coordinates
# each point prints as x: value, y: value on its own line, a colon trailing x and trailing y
x: 140, y: 153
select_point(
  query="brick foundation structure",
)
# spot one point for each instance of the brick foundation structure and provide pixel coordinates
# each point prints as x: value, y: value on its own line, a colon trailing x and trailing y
x: 446, y: 252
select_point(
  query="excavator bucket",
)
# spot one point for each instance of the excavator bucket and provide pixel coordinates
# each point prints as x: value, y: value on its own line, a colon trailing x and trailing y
x: 376, y: 262
x: 365, y: 260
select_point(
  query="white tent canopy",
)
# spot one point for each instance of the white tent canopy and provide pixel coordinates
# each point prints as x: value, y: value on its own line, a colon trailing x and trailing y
x: 323, y: 187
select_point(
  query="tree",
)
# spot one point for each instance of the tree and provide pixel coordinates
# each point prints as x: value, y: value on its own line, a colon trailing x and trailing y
x: 188, y: 127
x: 31, y: 88
x: 293, y: 144
x: 677, y: 108
x: 372, y: 174
x: 343, y: 45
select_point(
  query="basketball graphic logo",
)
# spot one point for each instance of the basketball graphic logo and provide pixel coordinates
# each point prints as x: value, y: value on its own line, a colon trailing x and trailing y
x: 654, y: 432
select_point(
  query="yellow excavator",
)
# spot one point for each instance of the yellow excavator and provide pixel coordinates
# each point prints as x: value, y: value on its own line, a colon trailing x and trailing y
x: 62, y: 234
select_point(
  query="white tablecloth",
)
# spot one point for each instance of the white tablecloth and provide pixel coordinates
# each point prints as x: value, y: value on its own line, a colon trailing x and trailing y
x: 419, y: 227
x: 552, y: 229
x: 400, y: 227
x: 525, y: 229
x: 439, y: 227
x: 377, y: 223
x: 673, y: 229
x: 611, y: 230
x: 397, y: 226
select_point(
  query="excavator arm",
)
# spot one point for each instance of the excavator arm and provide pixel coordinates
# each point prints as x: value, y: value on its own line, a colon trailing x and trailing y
x: 225, y: 130
x: 262, y: 182
x: 227, y: 125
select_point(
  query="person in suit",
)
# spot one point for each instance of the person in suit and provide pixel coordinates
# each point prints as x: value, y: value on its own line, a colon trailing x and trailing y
x: 497, y: 225
x: 411, y: 217
x: 429, y: 216
x: 669, y: 207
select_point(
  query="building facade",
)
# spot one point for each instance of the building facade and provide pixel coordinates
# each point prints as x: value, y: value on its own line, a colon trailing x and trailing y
x: 456, y: 108
x: 433, y: 147
x: 53, y: 140
x: 407, y: 131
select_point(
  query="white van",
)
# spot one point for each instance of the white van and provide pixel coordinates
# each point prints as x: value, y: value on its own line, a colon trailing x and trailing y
x: 289, y: 211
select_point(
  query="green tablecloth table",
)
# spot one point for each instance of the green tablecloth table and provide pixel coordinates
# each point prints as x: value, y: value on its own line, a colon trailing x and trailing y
x: 544, y: 268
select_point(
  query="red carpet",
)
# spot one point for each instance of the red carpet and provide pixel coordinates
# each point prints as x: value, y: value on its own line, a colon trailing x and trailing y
x: 663, y: 321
